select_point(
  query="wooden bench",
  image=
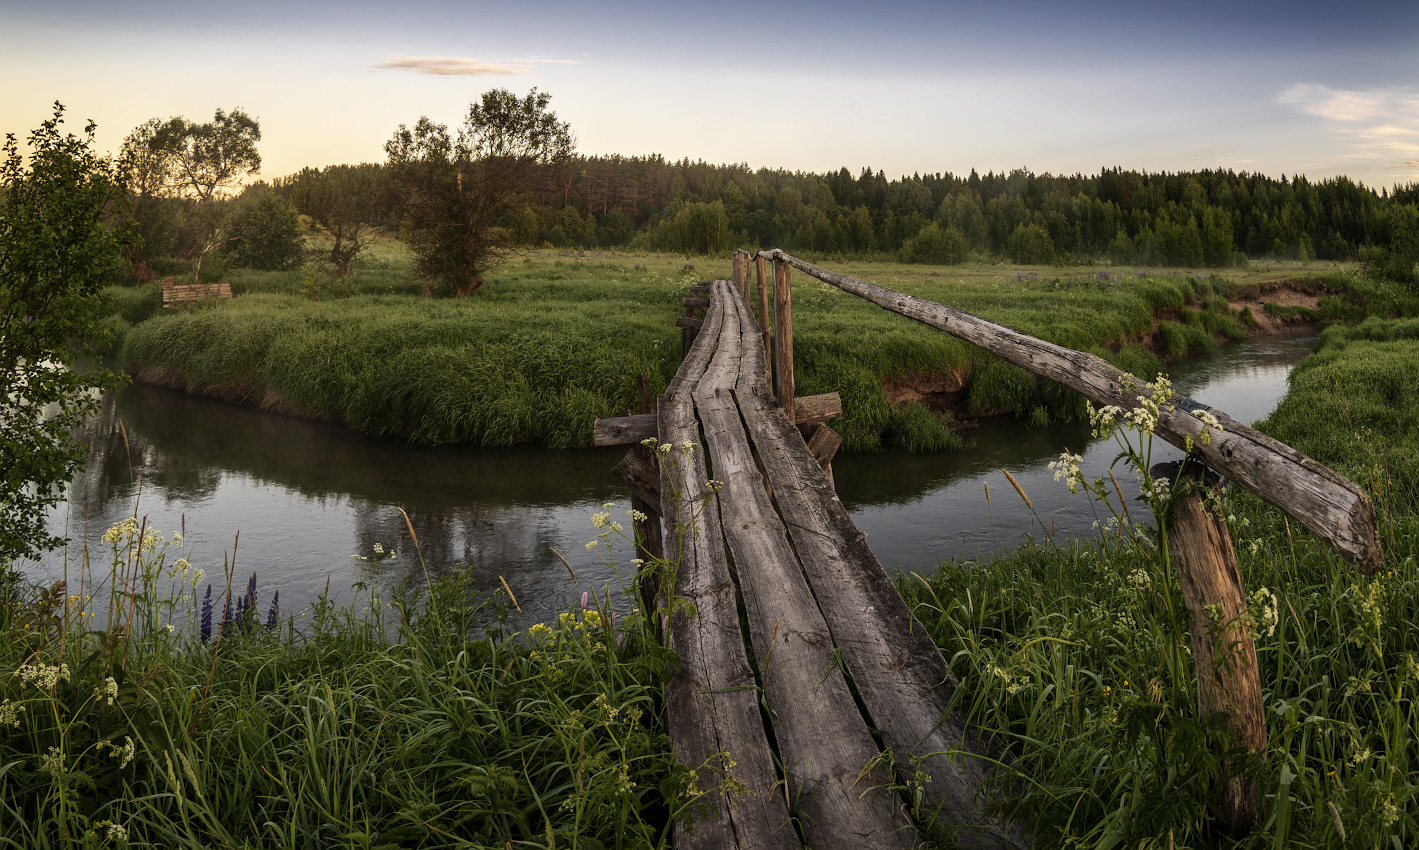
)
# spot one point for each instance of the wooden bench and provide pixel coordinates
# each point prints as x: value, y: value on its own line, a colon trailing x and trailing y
x: 188, y: 293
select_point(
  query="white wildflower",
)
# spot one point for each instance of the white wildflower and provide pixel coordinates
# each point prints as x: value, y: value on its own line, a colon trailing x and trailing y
x: 108, y: 691
x: 1067, y: 468
x: 10, y: 714
x: 52, y: 762
x: 1267, y: 615
x: 43, y: 676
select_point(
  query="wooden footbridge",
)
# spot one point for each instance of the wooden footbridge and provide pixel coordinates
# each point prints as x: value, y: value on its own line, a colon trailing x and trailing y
x: 802, y: 674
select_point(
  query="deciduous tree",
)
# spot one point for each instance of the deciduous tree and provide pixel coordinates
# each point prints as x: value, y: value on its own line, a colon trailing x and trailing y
x: 62, y: 228
x: 451, y: 192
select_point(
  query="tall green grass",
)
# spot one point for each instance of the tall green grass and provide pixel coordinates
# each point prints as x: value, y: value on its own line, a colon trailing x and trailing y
x: 1078, y: 653
x: 554, y: 342
x: 417, y: 721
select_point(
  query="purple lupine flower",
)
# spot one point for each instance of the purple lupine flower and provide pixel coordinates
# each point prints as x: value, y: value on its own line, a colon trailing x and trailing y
x: 249, y: 609
x: 227, y: 616
x: 206, y: 624
x: 274, y: 614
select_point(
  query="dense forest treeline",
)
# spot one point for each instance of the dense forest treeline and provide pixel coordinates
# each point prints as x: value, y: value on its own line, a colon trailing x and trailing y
x: 1200, y: 218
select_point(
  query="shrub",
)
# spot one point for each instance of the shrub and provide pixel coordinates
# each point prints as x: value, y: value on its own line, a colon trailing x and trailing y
x: 1030, y: 245
x: 936, y: 246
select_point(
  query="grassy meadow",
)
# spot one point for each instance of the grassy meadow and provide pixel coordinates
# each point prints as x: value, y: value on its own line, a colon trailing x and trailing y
x: 1079, y: 655
x: 554, y: 341
x: 138, y: 714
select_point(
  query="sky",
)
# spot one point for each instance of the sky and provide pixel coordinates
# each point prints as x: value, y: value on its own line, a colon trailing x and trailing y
x: 903, y: 86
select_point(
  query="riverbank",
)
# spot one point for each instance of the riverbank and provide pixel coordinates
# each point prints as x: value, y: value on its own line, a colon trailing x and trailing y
x: 323, y: 727
x: 1077, y: 652
x: 555, y: 342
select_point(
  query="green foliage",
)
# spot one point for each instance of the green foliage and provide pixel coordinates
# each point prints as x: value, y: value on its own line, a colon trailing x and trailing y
x: 997, y: 386
x: 60, y: 236
x: 266, y: 232
x: 423, y: 722
x: 345, y: 202
x: 133, y: 304
x: 697, y: 228
x: 919, y: 430
x: 1030, y: 244
x: 936, y: 246
x: 450, y: 193
x: 1078, y: 653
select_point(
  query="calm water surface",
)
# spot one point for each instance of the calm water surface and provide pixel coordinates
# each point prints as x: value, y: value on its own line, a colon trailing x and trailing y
x: 309, y: 498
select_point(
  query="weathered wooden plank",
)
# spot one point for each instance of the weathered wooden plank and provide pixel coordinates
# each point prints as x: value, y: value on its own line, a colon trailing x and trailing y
x: 699, y: 353
x: 700, y: 303
x: 827, y: 751
x: 688, y: 323
x: 700, y: 287
x: 723, y: 368
x: 623, y: 430
x: 905, y: 683
x: 641, y: 477
x: 712, y: 701
x: 1330, y: 505
x: 1228, y: 681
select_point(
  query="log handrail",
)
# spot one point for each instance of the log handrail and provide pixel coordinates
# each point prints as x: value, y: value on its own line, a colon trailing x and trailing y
x: 1324, y: 501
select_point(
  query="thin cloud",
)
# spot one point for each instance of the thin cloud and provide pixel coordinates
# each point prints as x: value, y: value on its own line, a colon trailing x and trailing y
x: 459, y: 66
x: 1378, y: 124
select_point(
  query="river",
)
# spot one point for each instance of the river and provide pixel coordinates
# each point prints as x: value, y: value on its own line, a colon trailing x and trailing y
x: 310, y: 500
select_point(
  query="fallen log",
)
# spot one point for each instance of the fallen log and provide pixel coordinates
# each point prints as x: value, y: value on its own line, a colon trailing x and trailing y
x: 1330, y: 505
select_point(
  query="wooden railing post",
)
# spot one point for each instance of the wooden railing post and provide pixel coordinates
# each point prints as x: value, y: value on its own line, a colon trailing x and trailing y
x: 741, y: 274
x: 783, y: 337
x: 1228, y: 682
x: 764, y: 317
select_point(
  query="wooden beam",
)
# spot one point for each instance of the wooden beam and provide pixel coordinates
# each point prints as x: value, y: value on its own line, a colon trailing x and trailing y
x: 701, y: 303
x: 629, y: 430
x: 687, y: 322
x: 642, y: 477
x: 783, y: 338
x: 823, y: 445
x: 764, y: 318
x: 623, y: 430
x: 1228, y: 681
x: 1330, y: 505
x: 812, y: 409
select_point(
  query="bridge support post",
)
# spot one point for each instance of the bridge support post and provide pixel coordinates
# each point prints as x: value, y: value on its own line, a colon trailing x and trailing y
x: 1228, y: 681
x: 783, y: 337
x: 764, y: 317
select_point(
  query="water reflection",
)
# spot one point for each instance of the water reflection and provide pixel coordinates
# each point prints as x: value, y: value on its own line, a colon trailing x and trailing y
x: 309, y: 498
x: 920, y: 509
